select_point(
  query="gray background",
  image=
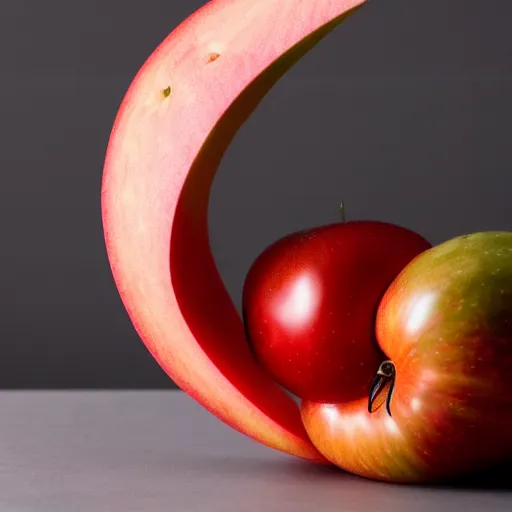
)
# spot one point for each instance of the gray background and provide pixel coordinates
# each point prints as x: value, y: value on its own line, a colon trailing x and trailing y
x: 404, y: 113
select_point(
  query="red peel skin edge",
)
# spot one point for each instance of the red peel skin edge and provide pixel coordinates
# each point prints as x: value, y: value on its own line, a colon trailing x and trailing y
x: 174, y: 124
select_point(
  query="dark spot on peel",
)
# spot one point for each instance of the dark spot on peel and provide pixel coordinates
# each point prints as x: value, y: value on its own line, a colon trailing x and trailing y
x: 212, y: 57
x: 167, y: 92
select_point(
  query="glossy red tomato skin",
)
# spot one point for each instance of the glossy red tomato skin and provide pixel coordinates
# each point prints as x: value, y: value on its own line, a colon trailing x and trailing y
x: 309, y: 303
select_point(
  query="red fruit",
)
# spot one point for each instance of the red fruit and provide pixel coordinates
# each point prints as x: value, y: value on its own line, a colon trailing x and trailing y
x: 309, y: 303
x: 176, y: 121
x: 445, y: 324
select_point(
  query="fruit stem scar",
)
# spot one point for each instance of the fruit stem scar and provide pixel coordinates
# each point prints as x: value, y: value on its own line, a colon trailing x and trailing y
x: 386, y: 373
x: 167, y: 91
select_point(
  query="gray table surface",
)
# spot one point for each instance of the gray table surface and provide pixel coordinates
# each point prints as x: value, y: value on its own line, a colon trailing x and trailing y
x: 159, y: 451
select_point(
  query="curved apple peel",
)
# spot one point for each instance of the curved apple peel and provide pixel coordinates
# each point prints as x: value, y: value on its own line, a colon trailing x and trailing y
x: 175, y: 123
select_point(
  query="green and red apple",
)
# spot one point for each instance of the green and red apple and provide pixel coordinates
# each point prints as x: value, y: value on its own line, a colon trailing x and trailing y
x: 446, y: 325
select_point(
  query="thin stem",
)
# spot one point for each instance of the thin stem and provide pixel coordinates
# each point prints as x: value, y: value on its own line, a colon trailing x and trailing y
x: 342, y: 212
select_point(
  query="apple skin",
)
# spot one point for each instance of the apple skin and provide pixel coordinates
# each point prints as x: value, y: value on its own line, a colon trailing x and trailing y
x: 172, y: 129
x: 309, y: 305
x: 446, y: 323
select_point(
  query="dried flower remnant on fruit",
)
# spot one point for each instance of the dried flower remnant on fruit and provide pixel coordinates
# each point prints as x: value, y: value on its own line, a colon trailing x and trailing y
x: 167, y: 91
x: 385, y: 374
